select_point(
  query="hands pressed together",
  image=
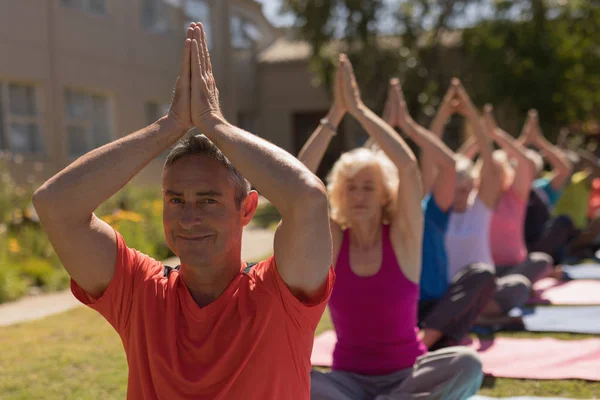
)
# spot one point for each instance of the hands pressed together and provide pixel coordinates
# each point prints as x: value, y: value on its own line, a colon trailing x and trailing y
x: 196, y: 98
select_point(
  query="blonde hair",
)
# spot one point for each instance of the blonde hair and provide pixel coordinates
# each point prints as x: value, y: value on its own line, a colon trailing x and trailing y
x: 465, y: 168
x: 347, y: 166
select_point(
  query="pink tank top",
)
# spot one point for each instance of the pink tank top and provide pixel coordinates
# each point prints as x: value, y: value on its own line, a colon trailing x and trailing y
x: 507, y: 231
x: 375, y: 317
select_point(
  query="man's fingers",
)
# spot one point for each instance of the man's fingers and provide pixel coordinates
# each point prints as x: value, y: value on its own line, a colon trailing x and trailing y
x: 184, y: 71
x: 195, y: 56
x: 186, y: 66
x: 207, y: 67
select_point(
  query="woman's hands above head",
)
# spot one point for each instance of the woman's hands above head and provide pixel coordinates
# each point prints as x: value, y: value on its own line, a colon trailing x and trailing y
x: 350, y: 91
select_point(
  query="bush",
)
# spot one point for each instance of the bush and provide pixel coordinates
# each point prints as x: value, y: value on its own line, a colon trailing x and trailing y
x: 27, y: 258
x: 12, y: 285
x: 266, y: 216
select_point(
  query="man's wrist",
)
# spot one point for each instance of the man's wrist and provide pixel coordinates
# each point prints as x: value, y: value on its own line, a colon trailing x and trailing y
x: 171, y: 125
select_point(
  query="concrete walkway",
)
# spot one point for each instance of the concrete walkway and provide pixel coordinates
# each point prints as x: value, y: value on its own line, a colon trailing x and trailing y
x: 256, y: 244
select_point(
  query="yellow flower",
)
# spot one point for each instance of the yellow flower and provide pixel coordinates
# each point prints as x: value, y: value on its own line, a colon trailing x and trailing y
x: 109, y: 219
x: 13, y: 246
x: 128, y: 216
x: 157, y: 207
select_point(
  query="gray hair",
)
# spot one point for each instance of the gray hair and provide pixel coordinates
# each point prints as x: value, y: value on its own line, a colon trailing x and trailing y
x: 201, y: 145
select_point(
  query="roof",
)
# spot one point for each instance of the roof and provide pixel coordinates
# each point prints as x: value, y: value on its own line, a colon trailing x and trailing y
x: 284, y: 49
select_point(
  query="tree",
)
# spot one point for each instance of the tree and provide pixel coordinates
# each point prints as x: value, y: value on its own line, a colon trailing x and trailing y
x: 521, y: 54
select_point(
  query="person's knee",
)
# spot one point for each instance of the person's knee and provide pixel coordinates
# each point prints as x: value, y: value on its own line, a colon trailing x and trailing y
x: 513, y: 291
x: 541, y: 258
x: 564, y: 222
x: 467, y: 361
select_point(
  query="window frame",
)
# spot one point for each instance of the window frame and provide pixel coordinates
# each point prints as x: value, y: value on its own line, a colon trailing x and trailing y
x: 86, y: 8
x: 9, y: 118
x: 87, y: 122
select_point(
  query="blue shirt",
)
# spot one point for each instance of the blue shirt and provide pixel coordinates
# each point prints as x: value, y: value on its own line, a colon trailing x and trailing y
x: 434, y: 266
x: 545, y: 184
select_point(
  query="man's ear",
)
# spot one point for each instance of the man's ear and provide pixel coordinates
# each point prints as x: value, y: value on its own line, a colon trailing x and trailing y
x: 249, y: 206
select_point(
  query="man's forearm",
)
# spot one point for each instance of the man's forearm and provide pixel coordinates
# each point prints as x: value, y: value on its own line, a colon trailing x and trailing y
x: 277, y: 175
x: 76, y: 191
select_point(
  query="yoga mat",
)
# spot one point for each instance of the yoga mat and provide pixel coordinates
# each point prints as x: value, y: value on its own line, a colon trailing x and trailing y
x: 582, y: 271
x: 576, y: 292
x: 517, y: 398
x: 544, y: 358
x: 570, y: 319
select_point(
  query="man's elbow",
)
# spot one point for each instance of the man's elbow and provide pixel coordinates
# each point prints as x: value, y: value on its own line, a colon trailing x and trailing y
x: 312, y: 194
x: 41, y: 201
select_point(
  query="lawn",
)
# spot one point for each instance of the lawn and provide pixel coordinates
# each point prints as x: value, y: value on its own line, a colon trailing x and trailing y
x: 77, y: 355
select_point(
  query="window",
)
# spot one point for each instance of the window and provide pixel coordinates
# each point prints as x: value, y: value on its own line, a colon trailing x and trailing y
x: 159, y: 16
x: 199, y: 11
x: 91, y: 6
x: 87, y: 119
x: 243, y: 33
x: 20, y: 119
x: 247, y: 121
x: 155, y: 111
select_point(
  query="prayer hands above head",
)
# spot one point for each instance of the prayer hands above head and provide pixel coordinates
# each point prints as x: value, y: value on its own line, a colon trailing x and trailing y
x: 338, y: 92
x: 350, y: 90
x: 529, y: 134
x: 399, y: 103
x: 204, y: 102
x: 462, y: 102
x: 535, y: 133
x: 490, y: 122
x: 179, y: 112
x: 390, y: 109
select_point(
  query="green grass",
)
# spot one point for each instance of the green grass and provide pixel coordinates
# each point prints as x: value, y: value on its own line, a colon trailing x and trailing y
x: 77, y: 355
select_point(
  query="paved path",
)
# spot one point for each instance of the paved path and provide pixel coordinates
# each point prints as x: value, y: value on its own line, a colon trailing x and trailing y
x: 256, y: 243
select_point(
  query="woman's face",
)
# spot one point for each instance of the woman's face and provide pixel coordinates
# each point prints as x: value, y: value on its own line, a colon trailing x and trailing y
x: 464, y: 187
x: 364, y: 195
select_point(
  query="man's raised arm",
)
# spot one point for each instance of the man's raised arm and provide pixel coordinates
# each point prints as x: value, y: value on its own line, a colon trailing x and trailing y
x: 303, y: 239
x: 65, y: 204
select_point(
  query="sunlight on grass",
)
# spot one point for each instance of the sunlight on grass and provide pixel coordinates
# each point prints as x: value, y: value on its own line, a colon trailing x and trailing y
x: 77, y: 355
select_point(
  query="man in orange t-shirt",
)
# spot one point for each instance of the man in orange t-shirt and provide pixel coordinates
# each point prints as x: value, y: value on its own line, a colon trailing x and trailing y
x: 214, y: 328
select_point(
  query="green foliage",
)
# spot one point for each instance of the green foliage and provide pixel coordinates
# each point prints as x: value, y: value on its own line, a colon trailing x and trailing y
x: 550, y: 63
x: 524, y: 54
x: 27, y: 259
x: 266, y: 216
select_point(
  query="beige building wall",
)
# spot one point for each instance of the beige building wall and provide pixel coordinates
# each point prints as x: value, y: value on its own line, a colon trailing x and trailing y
x: 55, y: 48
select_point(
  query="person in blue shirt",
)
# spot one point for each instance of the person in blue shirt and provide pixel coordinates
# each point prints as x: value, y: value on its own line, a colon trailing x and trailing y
x: 444, y: 316
x: 544, y: 233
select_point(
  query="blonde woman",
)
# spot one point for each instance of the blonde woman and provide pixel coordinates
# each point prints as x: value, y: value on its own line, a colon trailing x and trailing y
x: 377, y: 228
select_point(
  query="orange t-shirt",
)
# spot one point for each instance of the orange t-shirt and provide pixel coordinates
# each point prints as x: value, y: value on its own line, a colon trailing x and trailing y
x: 253, y: 342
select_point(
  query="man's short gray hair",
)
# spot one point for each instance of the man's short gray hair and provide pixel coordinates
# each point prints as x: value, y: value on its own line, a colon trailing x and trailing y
x: 201, y: 145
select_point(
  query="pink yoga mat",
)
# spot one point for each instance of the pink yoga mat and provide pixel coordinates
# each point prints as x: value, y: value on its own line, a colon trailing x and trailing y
x: 544, y: 358
x: 576, y: 292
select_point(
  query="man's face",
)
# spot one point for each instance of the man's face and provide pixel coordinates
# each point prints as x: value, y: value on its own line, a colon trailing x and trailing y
x: 201, y: 221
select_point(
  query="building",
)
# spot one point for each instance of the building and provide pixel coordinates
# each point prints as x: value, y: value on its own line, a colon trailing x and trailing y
x: 75, y: 74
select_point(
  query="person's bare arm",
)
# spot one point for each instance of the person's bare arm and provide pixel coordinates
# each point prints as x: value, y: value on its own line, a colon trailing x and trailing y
x: 526, y: 166
x: 490, y: 187
x: 562, y: 168
x: 429, y: 170
x: 302, y: 245
x: 439, y: 153
x: 314, y: 149
x: 407, y: 225
x: 590, y: 161
x: 65, y: 204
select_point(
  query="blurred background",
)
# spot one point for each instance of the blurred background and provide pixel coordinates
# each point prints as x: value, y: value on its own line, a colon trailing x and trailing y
x: 75, y: 74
